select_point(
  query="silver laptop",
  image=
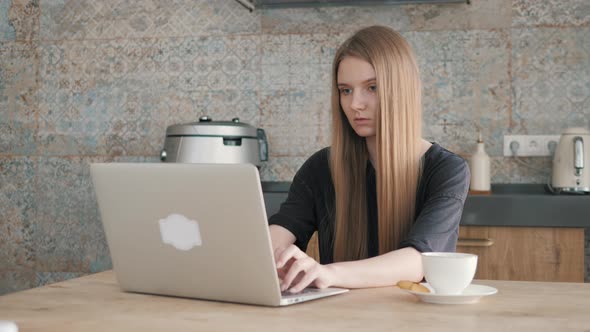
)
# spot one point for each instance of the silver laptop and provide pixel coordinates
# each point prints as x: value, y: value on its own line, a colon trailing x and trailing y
x: 191, y: 230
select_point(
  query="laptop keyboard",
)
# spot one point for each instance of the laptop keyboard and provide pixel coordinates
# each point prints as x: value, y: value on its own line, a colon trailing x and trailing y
x: 304, y: 291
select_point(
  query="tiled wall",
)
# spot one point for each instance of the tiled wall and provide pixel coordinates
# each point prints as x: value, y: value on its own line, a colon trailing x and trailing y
x: 84, y: 81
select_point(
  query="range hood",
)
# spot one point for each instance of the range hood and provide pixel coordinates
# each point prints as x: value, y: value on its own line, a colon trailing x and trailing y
x: 251, y: 4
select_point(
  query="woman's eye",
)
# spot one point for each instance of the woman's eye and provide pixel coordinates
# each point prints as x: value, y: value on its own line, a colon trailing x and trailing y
x: 345, y: 91
x: 373, y: 88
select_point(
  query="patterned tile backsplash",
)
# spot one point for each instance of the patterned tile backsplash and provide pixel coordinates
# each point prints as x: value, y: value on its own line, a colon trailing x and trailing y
x: 554, y: 13
x: 117, y: 96
x: 88, y: 81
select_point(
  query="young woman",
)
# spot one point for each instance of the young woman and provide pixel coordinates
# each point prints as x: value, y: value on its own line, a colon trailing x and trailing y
x: 380, y: 195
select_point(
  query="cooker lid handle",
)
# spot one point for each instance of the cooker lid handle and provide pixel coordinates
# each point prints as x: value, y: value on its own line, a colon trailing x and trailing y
x: 263, y: 144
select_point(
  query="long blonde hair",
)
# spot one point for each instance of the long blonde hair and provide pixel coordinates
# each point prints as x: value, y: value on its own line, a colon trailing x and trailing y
x: 398, y: 131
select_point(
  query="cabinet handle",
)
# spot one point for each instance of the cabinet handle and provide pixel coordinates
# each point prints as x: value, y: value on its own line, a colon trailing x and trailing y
x: 475, y: 242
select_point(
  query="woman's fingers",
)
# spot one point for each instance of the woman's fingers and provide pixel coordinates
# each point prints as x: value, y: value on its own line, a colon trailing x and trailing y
x: 299, y: 266
x: 294, y: 267
x: 278, y: 254
x: 310, y: 276
x: 283, y: 256
x: 283, y: 270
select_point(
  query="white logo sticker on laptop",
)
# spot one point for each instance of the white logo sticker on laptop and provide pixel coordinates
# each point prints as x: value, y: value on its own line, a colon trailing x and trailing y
x: 180, y: 232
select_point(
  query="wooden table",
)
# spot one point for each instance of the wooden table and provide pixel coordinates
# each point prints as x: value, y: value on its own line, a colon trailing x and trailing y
x: 95, y: 303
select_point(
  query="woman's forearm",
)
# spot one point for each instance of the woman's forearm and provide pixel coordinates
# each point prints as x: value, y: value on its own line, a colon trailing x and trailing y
x: 280, y: 237
x: 383, y: 270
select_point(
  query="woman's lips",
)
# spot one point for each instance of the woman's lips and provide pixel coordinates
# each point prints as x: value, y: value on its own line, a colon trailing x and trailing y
x: 361, y: 120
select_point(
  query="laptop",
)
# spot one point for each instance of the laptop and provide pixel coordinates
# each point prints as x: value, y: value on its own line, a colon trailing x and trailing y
x: 191, y: 230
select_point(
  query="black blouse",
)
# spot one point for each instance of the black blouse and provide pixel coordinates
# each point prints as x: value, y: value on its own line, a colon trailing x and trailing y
x: 441, y: 193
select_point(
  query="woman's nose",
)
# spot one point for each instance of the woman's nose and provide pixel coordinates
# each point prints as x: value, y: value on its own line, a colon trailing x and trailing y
x: 359, y: 101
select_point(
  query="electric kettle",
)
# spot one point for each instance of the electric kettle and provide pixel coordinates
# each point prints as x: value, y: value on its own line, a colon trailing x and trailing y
x: 571, y: 162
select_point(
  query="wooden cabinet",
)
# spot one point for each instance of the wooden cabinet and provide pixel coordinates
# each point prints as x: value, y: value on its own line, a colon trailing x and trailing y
x: 525, y: 253
x: 518, y: 253
x: 313, y: 250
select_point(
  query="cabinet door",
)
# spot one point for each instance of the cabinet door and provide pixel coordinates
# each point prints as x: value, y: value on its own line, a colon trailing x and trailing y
x: 313, y: 248
x: 525, y: 253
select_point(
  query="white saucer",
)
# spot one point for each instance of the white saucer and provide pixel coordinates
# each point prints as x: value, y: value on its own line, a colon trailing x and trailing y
x: 471, y: 294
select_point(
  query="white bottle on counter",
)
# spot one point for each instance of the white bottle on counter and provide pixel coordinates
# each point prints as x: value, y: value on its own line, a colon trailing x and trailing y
x: 479, y: 164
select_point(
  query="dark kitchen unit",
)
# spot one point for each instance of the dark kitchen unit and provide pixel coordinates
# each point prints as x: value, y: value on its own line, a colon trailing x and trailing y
x: 519, y: 232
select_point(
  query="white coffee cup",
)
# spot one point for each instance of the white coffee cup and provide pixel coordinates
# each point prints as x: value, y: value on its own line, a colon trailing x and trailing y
x: 8, y: 326
x: 448, y: 273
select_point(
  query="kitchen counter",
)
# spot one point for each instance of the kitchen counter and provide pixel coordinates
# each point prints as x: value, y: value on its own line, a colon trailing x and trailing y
x: 519, y: 205
x: 95, y: 303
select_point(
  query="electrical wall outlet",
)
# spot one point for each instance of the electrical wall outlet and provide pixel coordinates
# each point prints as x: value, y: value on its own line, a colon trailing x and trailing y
x: 530, y: 145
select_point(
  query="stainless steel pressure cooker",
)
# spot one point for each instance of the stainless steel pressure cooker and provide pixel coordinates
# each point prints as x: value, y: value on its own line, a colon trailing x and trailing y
x: 208, y: 141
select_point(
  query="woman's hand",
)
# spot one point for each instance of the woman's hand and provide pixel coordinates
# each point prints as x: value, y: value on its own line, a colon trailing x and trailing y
x: 297, y: 270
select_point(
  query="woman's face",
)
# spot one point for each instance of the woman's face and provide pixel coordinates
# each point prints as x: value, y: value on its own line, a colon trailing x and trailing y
x: 358, y: 94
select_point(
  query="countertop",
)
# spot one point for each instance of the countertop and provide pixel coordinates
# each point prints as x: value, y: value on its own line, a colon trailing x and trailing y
x: 518, y: 205
x: 95, y: 303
